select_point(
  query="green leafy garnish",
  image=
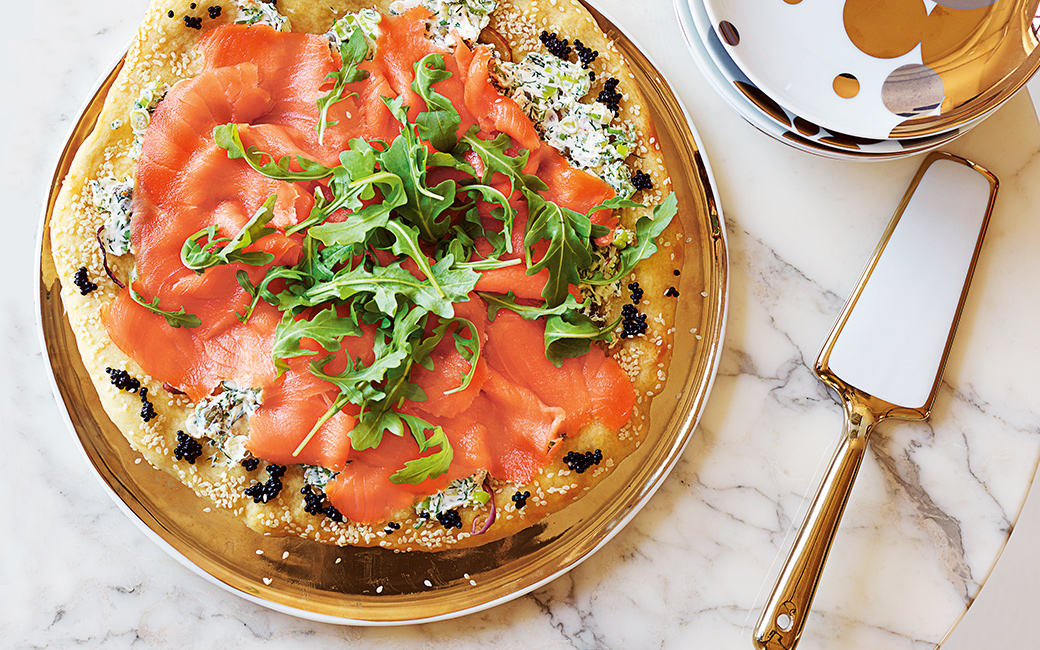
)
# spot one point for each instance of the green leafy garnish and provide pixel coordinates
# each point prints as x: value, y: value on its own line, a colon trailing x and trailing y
x: 227, y: 137
x: 439, y: 122
x: 424, y: 467
x: 352, y: 52
x: 221, y: 250
x: 177, y: 318
x: 648, y: 228
x: 326, y: 328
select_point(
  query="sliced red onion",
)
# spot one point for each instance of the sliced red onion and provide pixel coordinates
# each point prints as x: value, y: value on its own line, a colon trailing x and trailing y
x: 170, y: 389
x: 491, y: 515
x: 104, y: 259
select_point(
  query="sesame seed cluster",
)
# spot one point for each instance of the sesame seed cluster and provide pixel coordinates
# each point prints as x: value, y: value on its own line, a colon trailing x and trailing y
x: 275, y: 500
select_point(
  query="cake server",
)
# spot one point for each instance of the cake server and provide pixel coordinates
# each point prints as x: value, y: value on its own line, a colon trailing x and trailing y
x: 886, y: 353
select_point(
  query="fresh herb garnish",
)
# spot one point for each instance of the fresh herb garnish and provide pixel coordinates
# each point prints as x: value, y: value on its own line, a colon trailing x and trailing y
x: 177, y: 318
x: 352, y: 52
x: 221, y: 250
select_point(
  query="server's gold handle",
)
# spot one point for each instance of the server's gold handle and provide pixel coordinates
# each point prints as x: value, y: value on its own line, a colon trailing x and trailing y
x: 787, y: 608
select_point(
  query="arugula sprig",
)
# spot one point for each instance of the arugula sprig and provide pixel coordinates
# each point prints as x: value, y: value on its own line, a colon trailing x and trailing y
x: 648, y: 228
x: 569, y: 331
x: 222, y: 250
x: 179, y: 318
x: 229, y: 139
x: 352, y: 52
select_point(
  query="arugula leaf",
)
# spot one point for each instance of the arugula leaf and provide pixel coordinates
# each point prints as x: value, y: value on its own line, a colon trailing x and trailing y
x: 173, y: 318
x: 569, y: 252
x: 467, y: 346
x: 440, y: 122
x: 568, y: 232
x: 386, y: 285
x: 418, y: 470
x: 227, y: 137
x: 648, y: 228
x: 362, y: 222
x: 571, y: 334
x: 221, y: 250
x: 407, y: 158
x: 503, y: 211
x: 497, y: 302
x: 327, y: 328
x: 493, y: 154
x: 352, y: 52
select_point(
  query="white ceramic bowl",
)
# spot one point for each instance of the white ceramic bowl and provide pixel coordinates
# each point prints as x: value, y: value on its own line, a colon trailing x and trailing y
x: 768, y: 116
x: 882, y: 69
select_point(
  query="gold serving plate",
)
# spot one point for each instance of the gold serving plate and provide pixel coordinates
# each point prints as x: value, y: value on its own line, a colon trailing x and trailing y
x: 372, y: 586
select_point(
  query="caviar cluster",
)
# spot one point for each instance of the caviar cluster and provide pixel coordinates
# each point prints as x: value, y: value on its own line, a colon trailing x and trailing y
x: 520, y: 499
x: 450, y: 519
x: 250, y: 463
x: 637, y: 292
x: 264, y: 492
x: 558, y: 47
x: 671, y: 292
x: 188, y: 448
x: 391, y: 527
x: 586, y: 55
x: 609, y: 96
x: 195, y: 22
x: 122, y: 380
x: 581, y: 462
x: 82, y: 282
x: 632, y: 322
x: 147, y: 410
x: 641, y: 181
x: 314, y: 503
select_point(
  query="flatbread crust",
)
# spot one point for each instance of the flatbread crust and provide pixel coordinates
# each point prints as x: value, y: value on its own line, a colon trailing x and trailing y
x: 163, y: 51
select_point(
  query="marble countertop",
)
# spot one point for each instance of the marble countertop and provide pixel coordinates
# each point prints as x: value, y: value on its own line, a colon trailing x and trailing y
x: 931, y: 511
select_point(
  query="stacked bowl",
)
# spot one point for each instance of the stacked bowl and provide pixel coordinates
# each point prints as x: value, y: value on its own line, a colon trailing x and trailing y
x: 863, y: 79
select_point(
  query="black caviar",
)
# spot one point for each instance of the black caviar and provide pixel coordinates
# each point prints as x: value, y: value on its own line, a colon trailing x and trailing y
x: 556, y: 46
x: 264, y: 492
x: 585, y: 54
x: 82, y: 282
x: 214, y: 11
x: 637, y: 292
x: 641, y: 181
x: 195, y: 22
x: 170, y: 13
x: 672, y: 292
x: 333, y: 514
x: 313, y: 502
x: 520, y: 499
x: 250, y: 463
x: 676, y: 272
x: 581, y: 462
x: 632, y: 322
x: 193, y: 5
x: 147, y: 410
x: 609, y: 96
x: 122, y: 380
x: 188, y: 448
x: 391, y: 527
x: 450, y: 519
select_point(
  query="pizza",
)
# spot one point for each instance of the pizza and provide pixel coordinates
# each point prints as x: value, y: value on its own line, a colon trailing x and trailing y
x: 374, y: 274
